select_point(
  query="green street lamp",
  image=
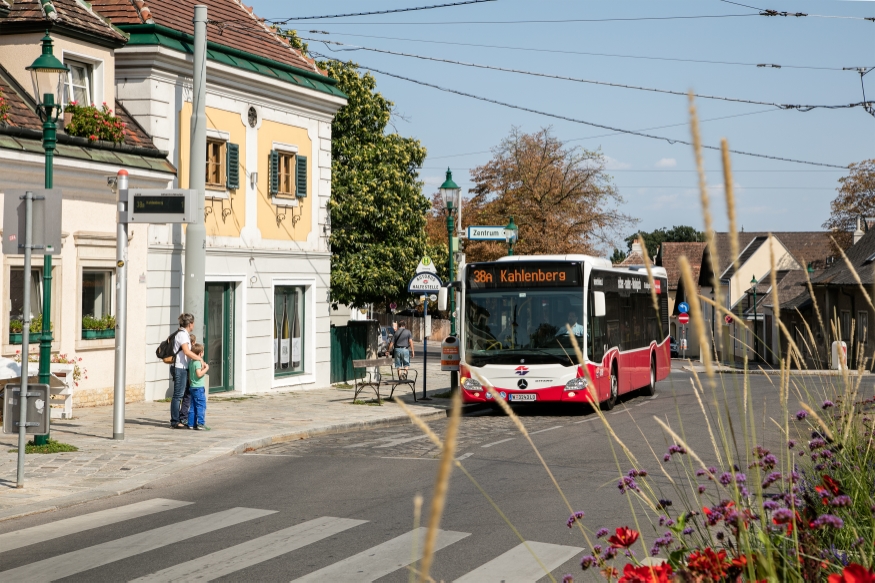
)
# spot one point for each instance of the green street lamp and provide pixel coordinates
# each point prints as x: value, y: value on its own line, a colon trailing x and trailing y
x: 48, y: 75
x: 753, y: 289
x: 511, y: 235
x: 451, y: 194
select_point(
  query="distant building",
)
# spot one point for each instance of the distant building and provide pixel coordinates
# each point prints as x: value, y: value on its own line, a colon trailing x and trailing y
x: 668, y: 256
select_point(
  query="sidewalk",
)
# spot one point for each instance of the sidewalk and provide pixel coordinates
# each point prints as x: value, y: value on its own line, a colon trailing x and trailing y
x: 151, y: 450
x: 761, y: 368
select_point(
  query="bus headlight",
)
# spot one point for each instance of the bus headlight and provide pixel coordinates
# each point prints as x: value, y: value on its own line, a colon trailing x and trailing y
x: 577, y: 384
x: 471, y: 384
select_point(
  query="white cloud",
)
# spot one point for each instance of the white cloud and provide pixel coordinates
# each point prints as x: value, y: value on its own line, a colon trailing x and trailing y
x: 666, y: 163
x: 614, y: 164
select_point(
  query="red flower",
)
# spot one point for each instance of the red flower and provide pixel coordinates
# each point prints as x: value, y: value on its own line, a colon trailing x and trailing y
x: 853, y: 573
x: 833, y: 485
x: 624, y: 538
x: 647, y: 574
x: 709, y: 563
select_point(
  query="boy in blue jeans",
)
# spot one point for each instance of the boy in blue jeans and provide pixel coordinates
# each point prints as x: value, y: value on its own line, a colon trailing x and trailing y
x: 196, y: 371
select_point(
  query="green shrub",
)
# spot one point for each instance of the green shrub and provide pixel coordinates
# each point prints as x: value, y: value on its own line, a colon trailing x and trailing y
x: 94, y: 124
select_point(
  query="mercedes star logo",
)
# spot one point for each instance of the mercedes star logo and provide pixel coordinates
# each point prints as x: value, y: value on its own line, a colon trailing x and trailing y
x: 523, y: 384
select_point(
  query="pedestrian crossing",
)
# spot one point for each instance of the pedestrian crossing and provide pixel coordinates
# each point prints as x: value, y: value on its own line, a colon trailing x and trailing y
x: 516, y: 565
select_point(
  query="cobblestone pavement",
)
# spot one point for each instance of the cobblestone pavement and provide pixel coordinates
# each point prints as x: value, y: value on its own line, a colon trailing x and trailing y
x: 105, y: 467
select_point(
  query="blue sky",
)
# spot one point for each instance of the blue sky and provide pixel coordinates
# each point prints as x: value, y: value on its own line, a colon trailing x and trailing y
x: 657, y: 179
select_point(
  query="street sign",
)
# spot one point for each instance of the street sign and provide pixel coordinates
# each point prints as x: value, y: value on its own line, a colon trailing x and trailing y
x: 46, y: 236
x: 158, y: 206
x: 433, y: 297
x: 393, y: 306
x: 683, y: 307
x: 426, y: 265
x: 683, y: 318
x: 486, y: 234
x: 424, y: 283
x: 38, y: 409
x: 728, y: 319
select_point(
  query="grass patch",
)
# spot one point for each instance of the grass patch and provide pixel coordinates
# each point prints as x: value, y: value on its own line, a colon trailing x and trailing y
x: 369, y: 403
x: 233, y: 399
x: 167, y: 400
x: 344, y: 386
x: 445, y: 395
x: 51, y: 447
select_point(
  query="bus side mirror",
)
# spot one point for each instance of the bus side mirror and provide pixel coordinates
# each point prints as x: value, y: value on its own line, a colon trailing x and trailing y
x: 598, y: 304
x: 442, y: 299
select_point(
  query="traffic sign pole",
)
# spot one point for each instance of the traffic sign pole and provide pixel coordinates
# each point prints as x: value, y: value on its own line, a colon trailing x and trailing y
x: 121, y: 311
x: 425, y: 396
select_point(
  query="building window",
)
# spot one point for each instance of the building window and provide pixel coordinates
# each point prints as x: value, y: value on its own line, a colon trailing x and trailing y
x: 215, y: 164
x: 862, y: 327
x: 16, y: 303
x: 96, y: 293
x: 846, y: 325
x: 79, y: 83
x: 286, y: 172
x: 288, y: 330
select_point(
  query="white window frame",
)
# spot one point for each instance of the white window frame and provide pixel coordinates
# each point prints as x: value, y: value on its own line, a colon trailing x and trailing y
x: 309, y: 356
x: 98, y: 96
x: 289, y: 202
x: 17, y: 261
x: 81, y: 268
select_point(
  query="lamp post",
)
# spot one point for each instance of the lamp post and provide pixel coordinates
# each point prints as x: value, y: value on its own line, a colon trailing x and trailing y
x: 47, y: 74
x: 511, y: 234
x: 753, y: 288
x: 451, y: 195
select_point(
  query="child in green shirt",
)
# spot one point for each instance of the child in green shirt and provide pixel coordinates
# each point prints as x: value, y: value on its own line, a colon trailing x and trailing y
x: 196, y: 372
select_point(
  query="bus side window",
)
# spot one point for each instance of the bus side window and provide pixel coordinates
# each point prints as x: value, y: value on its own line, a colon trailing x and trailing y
x: 596, y: 334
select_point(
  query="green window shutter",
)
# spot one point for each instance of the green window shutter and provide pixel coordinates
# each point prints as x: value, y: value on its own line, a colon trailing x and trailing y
x: 274, y: 172
x: 301, y: 186
x: 232, y: 158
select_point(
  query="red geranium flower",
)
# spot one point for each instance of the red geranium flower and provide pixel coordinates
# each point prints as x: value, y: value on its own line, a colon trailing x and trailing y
x: 647, y: 574
x: 709, y: 563
x: 624, y: 538
x: 833, y: 485
x: 853, y: 573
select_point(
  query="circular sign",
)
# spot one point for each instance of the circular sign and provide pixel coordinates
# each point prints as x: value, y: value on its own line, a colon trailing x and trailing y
x: 684, y: 318
x: 433, y: 297
x: 683, y: 307
x: 728, y: 319
x: 393, y: 306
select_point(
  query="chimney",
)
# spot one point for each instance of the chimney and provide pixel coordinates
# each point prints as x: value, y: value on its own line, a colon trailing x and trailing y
x: 636, y: 247
x: 858, y: 233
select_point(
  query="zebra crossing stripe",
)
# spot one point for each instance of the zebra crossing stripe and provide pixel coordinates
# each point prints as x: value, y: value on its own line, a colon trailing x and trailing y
x: 98, y: 555
x: 519, y: 566
x: 44, y: 532
x: 252, y: 552
x: 382, y: 559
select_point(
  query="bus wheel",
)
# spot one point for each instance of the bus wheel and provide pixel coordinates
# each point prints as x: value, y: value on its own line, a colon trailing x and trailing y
x: 608, y: 404
x: 650, y: 389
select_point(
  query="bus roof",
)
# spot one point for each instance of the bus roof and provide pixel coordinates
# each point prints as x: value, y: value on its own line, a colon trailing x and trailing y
x: 599, y: 262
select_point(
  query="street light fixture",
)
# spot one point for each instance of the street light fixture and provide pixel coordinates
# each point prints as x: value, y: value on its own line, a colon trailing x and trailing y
x: 47, y: 74
x: 451, y: 194
x: 753, y: 288
x: 511, y: 235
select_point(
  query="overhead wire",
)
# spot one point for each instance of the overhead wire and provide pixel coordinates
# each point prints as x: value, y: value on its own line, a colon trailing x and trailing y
x: 411, y: 9
x: 557, y: 21
x: 771, y: 12
x: 787, y: 106
x: 585, y: 53
x: 580, y: 121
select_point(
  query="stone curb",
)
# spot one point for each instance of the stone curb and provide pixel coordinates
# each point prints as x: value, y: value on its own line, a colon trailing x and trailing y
x: 131, y: 484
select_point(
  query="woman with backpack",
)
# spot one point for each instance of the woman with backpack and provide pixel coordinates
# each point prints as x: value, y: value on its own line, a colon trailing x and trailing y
x: 176, y: 351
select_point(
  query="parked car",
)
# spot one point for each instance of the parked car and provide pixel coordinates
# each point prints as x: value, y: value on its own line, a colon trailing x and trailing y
x: 673, y: 345
x: 386, y: 335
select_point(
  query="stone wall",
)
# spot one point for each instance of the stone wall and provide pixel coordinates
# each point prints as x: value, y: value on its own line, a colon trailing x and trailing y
x: 104, y: 397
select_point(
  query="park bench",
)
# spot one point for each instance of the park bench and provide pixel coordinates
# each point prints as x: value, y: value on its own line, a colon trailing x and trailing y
x: 380, y: 372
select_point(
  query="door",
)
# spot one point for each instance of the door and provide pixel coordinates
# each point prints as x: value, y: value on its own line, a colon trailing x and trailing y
x: 219, y: 335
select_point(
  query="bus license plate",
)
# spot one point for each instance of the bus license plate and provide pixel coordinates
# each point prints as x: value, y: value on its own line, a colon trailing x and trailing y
x: 517, y: 397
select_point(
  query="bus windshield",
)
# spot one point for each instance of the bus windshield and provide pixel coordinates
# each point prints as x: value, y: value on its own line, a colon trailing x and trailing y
x: 508, y: 326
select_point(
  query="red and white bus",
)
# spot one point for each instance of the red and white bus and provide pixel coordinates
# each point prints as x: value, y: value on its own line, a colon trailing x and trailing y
x: 514, y: 335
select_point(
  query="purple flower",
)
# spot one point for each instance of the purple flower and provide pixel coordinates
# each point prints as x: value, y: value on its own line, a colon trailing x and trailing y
x: 816, y: 443
x: 712, y: 470
x: 674, y: 449
x: 702, y: 489
x: 720, y: 535
x: 587, y: 562
x: 827, y: 520
x: 574, y: 517
x: 841, y: 501
x: 700, y: 473
x: 627, y: 483
x: 602, y: 532
x: 635, y: 473
x: 771, y: 479
x: 782, y: 516
x: 663, y: 503
x: 687, y: 531
x: 791, y: 444
x: 827, y: 404
x: 568, y: 578
x: 654, y: 550
x: 666, y: 457
x: 770, y: 461
x: 802, y: 414
x: 857, y: 543
x: 819, y: 467
x: 609, y: 553
x: 725, y: 478
x: 597, y: 549
x: 770, y: 505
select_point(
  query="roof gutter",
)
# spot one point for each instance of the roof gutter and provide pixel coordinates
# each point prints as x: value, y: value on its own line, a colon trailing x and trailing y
x: 211, y: 46
x: 31, y: 134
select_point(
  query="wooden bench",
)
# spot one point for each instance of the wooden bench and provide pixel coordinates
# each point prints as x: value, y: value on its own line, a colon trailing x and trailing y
x: 380, y: 372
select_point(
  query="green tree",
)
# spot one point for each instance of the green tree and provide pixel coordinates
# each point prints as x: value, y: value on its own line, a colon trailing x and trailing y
x: 377, y: 209
x: 653, y: 239
x: 856, y: 198
x: 618, y: 256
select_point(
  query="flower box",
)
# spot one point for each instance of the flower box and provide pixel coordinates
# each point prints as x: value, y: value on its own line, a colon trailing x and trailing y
x: 98, y: 334
x: 18, y: 338
x: 108, y: 333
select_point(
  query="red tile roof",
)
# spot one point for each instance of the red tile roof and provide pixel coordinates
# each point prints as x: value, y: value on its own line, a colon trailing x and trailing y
x: 670, y: 253
x: 232, y: 24
x: 69, y: 14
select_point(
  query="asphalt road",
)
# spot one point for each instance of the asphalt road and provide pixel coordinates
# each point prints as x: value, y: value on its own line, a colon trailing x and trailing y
x: 340, y: 507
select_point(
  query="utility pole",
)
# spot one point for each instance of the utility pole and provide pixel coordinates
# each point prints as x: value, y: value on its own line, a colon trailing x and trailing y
x: 196, y: 232
x: 121, y: 310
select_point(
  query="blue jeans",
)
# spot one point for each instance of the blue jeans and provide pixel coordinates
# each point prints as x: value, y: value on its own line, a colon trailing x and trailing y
x: 180, y: 381
x: 198, y: 406
x: 402, y: 357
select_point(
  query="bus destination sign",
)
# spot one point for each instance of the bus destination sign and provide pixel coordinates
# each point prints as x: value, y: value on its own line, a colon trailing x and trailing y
x: 523, y: 274
x: 177, y: 205
x: 159, y: 204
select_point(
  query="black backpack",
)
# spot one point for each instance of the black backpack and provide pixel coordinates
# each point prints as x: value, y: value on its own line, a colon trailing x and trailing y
x: 165, y: 349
